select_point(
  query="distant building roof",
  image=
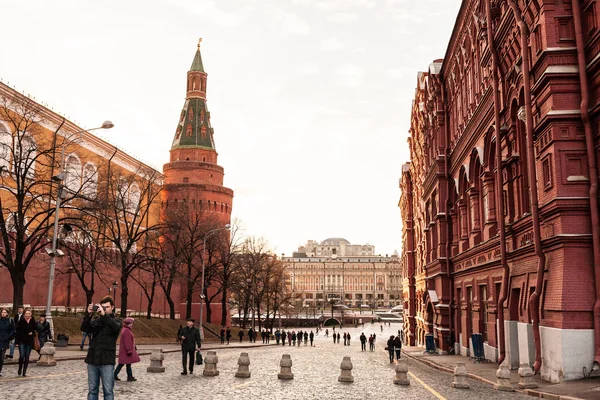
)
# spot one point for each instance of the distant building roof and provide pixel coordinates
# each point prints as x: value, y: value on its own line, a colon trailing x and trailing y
x: 334, y: 241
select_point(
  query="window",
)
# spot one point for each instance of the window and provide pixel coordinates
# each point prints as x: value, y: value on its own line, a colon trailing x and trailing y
x: 590, y: 18
x: 483, y: 309
x: 73, y: 171
x: 134, y: 198
x: 90, y: 180
x: 565, y: 29
x: 25, y: 154
x: 547, y: 172
x: 5, y: 147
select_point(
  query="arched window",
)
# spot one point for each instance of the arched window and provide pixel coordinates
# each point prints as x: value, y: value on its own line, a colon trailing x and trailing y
x: 25, y: 156
x: 5, y: 147
x: 134, y: 198
x: 73, y: 171
x: 90, y: 180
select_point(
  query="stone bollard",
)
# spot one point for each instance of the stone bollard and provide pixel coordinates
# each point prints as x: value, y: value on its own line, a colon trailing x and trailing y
x: 243, y: 369
x: 401, y: 373
x: 286, y: 367
x: 526, y: 377
x: 460, y: 376
x: 156, y: 361
x: 503, y: 382
x: 346, y: 375
x: 210, y: 364
x: 47, y: 355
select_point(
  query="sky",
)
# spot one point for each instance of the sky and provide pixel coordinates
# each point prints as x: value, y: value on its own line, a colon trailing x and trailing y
x: 309, y: 99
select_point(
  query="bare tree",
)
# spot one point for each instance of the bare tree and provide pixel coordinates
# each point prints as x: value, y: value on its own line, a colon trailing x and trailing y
x: 28, y: 160
x: 125, y: 213
x: 227, y: 250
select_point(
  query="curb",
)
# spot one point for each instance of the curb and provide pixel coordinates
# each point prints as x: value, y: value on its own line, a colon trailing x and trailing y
x: 534, y: 393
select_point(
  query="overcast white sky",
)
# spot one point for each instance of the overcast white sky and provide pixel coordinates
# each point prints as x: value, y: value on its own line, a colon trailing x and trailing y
x: 309, y: 99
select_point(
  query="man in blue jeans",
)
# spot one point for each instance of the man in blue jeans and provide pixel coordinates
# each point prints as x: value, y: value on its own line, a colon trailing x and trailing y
x: 16, y: 319
x: 101, y: 322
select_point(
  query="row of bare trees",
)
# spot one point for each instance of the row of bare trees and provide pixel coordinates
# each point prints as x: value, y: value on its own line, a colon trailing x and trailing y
x: 113, y: 225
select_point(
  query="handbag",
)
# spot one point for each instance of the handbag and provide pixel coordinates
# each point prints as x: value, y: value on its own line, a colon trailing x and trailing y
x: 36, y: 343
x: 387, y: 348
x: 199, y: 360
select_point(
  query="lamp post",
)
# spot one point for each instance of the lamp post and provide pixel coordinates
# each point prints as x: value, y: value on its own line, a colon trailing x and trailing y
x: 54, y: 252
x: 226, y: 227
x: 115, y: 284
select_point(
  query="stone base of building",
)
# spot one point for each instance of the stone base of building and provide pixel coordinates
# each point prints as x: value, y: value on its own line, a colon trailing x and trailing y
x: 565, y: 353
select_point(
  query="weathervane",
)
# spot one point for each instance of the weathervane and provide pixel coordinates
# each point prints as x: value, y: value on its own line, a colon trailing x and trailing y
x: 199, y: 41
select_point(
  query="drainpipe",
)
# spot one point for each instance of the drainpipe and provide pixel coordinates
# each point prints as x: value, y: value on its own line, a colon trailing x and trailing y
x: 591, y: 157
x: 448, y: 204
x: 499, y: 187
x: 534, y: 299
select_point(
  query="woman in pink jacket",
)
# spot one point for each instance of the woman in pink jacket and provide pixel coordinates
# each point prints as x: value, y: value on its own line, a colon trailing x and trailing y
x: 127, y: 352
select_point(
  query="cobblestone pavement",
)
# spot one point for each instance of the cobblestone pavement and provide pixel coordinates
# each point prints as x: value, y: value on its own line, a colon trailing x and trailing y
x: 315, y: 370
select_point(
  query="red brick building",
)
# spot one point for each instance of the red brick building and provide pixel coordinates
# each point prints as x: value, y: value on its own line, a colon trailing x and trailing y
x: 500, y: 237
x: 192, y: 172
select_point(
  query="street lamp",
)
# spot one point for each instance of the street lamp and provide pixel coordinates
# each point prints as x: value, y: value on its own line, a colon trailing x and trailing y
x: 54, y: 252
x: 226, y: 227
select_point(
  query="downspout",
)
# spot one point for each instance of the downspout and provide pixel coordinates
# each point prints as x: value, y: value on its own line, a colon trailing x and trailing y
x: 499, y: 188
x: 534, y: 299
x: 591, y: 157
x: 448, y: 206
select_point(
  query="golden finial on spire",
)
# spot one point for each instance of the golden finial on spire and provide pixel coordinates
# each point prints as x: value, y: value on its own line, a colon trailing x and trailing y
x: 199, y: 41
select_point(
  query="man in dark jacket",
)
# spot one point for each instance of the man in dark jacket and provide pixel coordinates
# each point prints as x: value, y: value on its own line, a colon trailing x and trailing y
x: 398, y: 346
x: 43, y: 330
x: 105, y: 327
x: 363, y: 342
x: 190, y: 337
x: 16, y: 319
x: 7, y: 332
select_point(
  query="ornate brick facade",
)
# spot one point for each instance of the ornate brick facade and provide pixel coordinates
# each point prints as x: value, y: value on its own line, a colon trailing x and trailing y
x: 453, y: 254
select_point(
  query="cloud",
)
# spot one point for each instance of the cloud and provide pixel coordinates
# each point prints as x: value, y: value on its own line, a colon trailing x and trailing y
x: 342, y: 17
x: 210, y: 10
x: 307, y: 68
x: 351, y: 75
x: 332, y: 44
x: 292, y: 24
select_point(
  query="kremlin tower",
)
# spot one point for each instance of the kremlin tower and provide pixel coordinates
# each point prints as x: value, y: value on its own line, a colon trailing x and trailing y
x: 192, y: 174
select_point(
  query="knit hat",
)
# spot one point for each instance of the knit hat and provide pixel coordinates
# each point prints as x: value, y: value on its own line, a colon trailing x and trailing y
x: 128, y: 321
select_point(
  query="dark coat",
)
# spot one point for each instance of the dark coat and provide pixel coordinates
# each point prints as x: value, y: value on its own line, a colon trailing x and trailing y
x: 43, y: 330
x: 390, y: 344
x: 192, y: 338
x: 127, y: 350
x: 105, y: 331
x: 363, y: 338
x: 7, y: 331
x: 23, y: 329
x: 397, y: 342
x: 228, y: 334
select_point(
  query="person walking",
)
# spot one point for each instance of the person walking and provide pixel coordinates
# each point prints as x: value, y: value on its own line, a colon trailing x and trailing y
x: 105, y: 327
x: 345, y: 340
x: 43, y: 330
x: 311, y: 337
x: 127, y: 351
x: 306, y: 337
x: 24, y: 336
x: 371, y: 345
x: 289, y: 337
x: 7, y: 332
x: 241, y: 335
x: 228, y: 334
x: 83, y: 336
x: 190, y: 337
x: 222, y: 335
x: 16, y: 319
x: 338, y: 337
x: 250, y: 334
x: 277, y: 336
x: 294, y: 337
x: 326, y: 332
x: 334, y: 338
x: 390, y: 348
x: 283, y: 337
x: 398, y: 346
x: 363, y: 342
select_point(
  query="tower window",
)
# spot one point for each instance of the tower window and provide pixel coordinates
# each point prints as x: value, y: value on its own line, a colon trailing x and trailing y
x: 186, y: 180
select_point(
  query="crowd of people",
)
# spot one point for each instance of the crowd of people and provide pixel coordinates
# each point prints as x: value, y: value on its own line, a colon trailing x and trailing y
x: 102, y: 328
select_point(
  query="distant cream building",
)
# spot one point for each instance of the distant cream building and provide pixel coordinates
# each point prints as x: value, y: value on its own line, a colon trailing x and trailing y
x: 338, y: 270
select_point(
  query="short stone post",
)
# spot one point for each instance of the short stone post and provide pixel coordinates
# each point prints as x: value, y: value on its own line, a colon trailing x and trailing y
x: 210, y: 364
x: 401, y: 373
x: 526, y: 377
x: 156, y: 361
x: 503, y: 382
x: 47, y: 355
x: 243, y: 366
x: 346, y: 367
x: 460, y: 376
x: 286, y: 367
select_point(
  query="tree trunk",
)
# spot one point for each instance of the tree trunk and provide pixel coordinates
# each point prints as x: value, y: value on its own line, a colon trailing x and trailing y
x: 188, y: 305
x: 151, y: 301
x: 18, y: 282
x: 89, y: 297
x: 224, y: 305
x: 171, y: 308
x: 208, y: 311
x: 167, y: 293
x: 124, y: 294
